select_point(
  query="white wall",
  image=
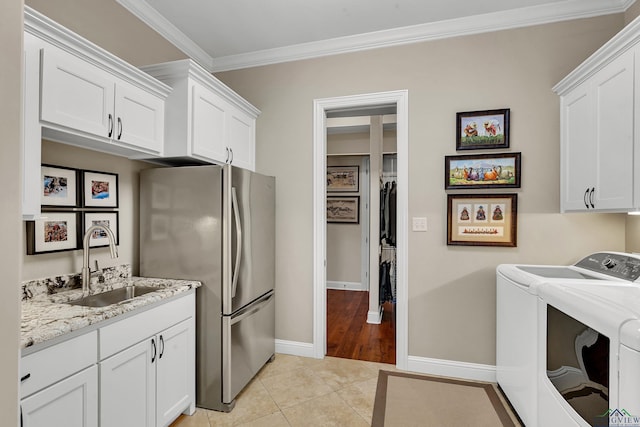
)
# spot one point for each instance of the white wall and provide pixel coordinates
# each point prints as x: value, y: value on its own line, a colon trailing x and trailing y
x: 451, y: 289
x: 10, y: 214
x: 46, y: 265
x: 344, y: 241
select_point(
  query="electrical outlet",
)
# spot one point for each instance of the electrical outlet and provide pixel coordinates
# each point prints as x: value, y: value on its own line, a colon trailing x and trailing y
x: 419, y: 224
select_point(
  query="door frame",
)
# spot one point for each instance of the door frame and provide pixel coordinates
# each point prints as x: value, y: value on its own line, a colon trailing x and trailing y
x: 400, y: 99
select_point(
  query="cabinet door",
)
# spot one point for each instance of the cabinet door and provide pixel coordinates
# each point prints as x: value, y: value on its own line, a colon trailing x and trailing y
x: 241, y: 139
x: 175, y: 371
x: 613, y: 96
x: 76, y: 94
x: 32, y: 138
x: 127, y: 387
x: 208, y: 125
x: 139, y: 118
x: 72, y: 402
x: 578, y: 149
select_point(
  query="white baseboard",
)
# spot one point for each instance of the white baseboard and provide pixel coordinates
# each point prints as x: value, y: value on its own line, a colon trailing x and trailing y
x: 452, y: 368
x: 346, y: 286
x: 375, y: 317
x: 295, y: 348
x: 422, y: 365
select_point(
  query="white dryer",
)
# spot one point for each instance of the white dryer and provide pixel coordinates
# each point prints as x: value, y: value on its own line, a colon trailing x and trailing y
x: 590, y: 348
x: 518, y: 321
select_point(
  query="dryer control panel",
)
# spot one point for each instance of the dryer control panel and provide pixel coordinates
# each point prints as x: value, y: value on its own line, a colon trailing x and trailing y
x: 621, y: 266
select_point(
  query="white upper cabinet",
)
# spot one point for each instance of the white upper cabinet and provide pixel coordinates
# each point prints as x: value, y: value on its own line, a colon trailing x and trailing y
x: 139, y: 118
x: 91, y: 98
x: 206, y: 120
x: 76, y: 94
x: 207, y: 125
x: 600, y: 135
x: 85, y: 99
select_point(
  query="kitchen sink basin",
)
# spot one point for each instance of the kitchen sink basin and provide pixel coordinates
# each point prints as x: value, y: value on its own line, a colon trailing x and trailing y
x: 113, y: 296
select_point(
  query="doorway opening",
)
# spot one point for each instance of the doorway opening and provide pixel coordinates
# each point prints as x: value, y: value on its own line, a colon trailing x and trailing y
x: 372, y: 105
x: 361, y: 167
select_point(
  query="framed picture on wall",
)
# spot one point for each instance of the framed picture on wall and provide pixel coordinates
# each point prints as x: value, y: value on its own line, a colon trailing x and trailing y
x: 482, y: 129
x: 343, y: 179
x: 343, y: 209
x: 100, y: 189
x: 482, y: 220
x: 99, y: 237
x: 54, y: 232
x: 482, y: 171
x: 59, y: 186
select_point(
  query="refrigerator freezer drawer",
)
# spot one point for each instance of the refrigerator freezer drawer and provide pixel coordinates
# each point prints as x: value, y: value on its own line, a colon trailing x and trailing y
x: 249, y: 343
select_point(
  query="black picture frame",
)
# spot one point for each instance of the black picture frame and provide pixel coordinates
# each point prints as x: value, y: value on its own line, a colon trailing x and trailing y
x: 344, y: 179
x: 60, y: 187
x: 54, y: 232
x: 481, y: 171
x: 343, y: 209
x: 109, y: 218
x: 480, y: 130
x: 100, y: 189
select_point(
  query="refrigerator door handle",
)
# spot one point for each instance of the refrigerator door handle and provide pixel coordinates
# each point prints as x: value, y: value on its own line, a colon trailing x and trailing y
x: 236, y: 269
x: 255, y: 307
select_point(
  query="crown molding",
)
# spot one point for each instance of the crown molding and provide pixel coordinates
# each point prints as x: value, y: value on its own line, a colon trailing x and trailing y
x: 147, y: 14
x: 505, y: 20
x: 45, y: 29
x: 626, y: 39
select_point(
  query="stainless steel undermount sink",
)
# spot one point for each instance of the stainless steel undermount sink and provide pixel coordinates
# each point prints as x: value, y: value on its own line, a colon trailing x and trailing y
x: 113, y: 296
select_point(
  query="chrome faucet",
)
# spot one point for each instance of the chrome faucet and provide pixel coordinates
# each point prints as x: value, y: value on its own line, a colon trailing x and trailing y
x: 86, y: 270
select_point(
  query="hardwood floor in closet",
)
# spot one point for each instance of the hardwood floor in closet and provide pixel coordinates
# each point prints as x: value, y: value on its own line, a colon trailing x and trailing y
x: 350, y: 336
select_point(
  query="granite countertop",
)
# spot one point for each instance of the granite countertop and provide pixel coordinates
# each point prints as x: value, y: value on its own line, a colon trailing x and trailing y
x: 46, y: 316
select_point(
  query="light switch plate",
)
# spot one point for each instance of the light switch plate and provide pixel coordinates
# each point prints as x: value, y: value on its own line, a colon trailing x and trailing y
x: 419, y: 224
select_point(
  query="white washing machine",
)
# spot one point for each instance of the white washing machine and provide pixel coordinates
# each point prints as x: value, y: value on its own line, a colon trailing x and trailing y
x: 518, y: 322
x: 589, y: 343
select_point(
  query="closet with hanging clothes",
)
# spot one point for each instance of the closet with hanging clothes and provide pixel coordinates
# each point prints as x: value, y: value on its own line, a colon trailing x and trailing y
x: 388, y: 191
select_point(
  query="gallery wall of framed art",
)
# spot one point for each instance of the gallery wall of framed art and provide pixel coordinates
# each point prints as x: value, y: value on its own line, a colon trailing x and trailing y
x: 487, y: 218
x: 343, y: 200
x: 72, y: 201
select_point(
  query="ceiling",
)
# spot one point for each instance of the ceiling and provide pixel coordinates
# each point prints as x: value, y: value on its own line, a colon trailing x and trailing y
x: 223, y: 35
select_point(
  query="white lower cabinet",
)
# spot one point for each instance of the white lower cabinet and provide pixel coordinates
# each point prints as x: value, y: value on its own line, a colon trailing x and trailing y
x: 147, y: 366
x: 127, y: 387
x: 73, y: 402
x: 175, y: 371
x: 134, y: 372
x: 151, y: 383
x: 59, y: 384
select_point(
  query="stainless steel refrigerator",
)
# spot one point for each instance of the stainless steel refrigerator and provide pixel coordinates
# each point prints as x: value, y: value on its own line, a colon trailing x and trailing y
x: 216, y: 224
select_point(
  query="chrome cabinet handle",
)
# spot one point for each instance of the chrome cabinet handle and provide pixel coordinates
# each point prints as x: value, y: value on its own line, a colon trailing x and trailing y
x: 110, y: 125
x: 236, y: 213
x: 226, y: 160
x: 231, y: 161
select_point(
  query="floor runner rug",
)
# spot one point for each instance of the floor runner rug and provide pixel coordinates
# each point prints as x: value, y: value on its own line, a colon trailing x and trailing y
x: 404, y: 400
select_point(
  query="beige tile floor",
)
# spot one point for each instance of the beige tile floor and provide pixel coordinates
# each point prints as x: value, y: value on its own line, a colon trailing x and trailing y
x: 297, y: 391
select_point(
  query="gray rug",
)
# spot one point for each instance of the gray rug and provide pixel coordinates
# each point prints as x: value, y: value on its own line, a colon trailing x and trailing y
x: 404, y: 399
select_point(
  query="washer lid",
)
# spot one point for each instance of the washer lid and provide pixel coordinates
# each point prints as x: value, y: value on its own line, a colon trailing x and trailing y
x: 556, y: 272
